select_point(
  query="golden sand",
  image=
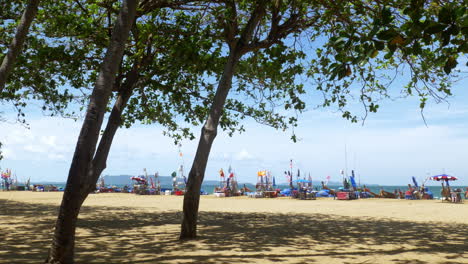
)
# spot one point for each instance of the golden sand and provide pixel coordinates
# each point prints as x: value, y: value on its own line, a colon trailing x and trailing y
x: 127, y: 228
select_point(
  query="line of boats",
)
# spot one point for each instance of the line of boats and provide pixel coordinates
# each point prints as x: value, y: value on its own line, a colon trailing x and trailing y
x: 266, y: 187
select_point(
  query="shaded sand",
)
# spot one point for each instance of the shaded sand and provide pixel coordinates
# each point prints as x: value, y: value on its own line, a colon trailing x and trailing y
x: 126, y: 228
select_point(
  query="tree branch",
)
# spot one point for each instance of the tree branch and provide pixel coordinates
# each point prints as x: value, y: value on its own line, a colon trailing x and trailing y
x: 17, y: 42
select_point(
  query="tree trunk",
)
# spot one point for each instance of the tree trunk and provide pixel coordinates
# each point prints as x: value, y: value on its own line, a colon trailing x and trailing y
x: 62, y: 249
x: 17, y: 41
x: 209, y: 130
x: 208, y: 134
x: 114, y: 122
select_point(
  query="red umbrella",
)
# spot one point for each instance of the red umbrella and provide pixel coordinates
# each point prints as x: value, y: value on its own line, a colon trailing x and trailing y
x: 443, y: 177
x: 139, y: 180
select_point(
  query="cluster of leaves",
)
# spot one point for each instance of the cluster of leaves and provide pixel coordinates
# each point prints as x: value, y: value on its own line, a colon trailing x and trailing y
x: 51, y: 69
x: 266, y: 74
x: 185, y: 49
x: 187, y: 56
x: 196, y: 46
x: 368, y: 44
x: 267, y: 78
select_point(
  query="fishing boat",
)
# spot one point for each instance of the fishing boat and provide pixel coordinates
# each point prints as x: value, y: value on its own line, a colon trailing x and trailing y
x: 373, y: 194
x: 227, y: 187
x: 349, y: 189
x: 289, y: 178
x: 8, y: 182
x: 155, y: 184
x: 416, y: 192
x: 140, y: 185
x: 232, y: 188
x: 326, y: 191
x: 219, y: 191
x: 179, y: 181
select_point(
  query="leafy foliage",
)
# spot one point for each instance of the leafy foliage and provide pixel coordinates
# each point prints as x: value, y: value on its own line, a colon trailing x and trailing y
x: 45, y: 67
x: 365, y: 46
x: 369, y: 44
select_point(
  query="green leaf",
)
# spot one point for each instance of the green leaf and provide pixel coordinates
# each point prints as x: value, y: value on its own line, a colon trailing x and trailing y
x: 387, y: 16
x: 379, y: 45
x: 387, y: 34
x: 445, y: 15
x: 450, y: 64
x: 434, y: 28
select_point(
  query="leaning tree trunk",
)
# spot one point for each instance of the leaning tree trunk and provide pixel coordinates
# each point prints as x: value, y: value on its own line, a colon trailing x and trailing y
x: 209, y: 130
x: 17, y: 41
x: 208, y: 134
x: 115, y: 120
x: 76, y: 190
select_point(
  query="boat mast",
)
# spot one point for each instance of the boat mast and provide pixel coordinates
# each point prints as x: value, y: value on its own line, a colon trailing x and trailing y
x: 346, y: 162
x: 291, y: 178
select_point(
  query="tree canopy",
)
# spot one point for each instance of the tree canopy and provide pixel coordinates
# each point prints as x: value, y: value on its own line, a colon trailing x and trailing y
x: 369, y: 44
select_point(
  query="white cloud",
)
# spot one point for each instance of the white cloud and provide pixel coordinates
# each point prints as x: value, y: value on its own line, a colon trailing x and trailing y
x: 48, y: 140
x: 244, y: 155
x: 57, y: 157
x: 35, y: 149
x: 391, y: 147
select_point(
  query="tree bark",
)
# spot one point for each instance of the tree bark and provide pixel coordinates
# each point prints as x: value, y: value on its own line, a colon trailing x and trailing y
x: 209, y: 130
x: 62, y: 248
x: 115, y: 120
x: 208, y: 134
x: 17, y: 42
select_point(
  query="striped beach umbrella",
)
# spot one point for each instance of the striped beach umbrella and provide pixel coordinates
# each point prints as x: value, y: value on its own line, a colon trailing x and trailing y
x: 443, y: 177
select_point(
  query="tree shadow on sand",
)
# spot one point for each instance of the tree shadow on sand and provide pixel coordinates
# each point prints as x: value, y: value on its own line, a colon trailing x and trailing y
x: 123, y: 235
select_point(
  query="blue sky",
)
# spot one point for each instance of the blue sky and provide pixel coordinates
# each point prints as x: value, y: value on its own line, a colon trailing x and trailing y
x: 393, y: 145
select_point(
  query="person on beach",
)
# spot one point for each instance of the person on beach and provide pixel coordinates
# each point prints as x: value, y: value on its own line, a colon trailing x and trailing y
x: 454, y: 195
x: 466, y: 193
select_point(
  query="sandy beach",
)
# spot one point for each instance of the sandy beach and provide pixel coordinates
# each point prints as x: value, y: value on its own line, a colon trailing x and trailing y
x: 127, y: 228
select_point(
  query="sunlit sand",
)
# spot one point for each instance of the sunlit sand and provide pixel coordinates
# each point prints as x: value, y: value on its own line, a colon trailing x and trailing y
x: 127, y: 228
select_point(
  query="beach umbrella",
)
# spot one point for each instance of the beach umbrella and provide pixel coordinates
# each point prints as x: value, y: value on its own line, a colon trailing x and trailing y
x: 274, y: 182
x: 310, y: 180
x: 444, y: 177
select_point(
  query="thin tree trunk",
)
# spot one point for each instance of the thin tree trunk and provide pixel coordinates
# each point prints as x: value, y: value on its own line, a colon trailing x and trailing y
x: 115, y: 120
x: 208, y: 134
x: 62, y: 249
x: 209, y: 130
x: 17, y: 42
